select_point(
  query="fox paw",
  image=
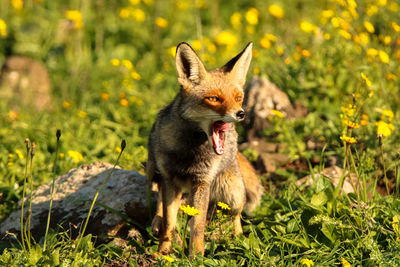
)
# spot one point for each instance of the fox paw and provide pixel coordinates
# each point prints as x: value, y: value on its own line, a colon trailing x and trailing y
x: 156, y: 225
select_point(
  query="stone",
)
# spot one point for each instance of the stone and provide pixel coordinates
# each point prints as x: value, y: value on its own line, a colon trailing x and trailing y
x: 262, y: 96
x: 124, y: 193
x: 25, y: 82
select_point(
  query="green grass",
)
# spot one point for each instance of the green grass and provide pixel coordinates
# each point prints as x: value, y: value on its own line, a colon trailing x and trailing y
x: 111, y: 75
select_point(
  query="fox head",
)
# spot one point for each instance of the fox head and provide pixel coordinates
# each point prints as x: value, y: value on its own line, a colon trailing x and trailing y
x: 212, y: 98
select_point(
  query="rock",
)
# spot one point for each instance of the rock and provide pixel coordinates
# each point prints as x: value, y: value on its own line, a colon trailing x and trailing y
x: 333, y: 173
x: 262, y: 96
x: 125, y: 193
x: 269, y: 162
x: 24, y: 82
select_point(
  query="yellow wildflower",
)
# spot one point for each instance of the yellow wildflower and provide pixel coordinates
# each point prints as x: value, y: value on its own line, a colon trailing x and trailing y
x: 388, y: 113
x: 348, y: 139
x: 104, y: 96
x: 172, y: 51
x: 277, y: 113
x: 382, y: 2
x: 371, y: 10
x: 223, y: 206
x: 191, y: 211
x: 161, y: 22
x: 252, y: 16
x: 124, y: 13
x: 66, y: 104
x: 365, y: 79
x: 276, y: 11
x: 350, y: 124
x: 127, y: 64
x: 196, y: 45
x: 305, y: 53
x: 307, y: 262
x: 3, y: 28
x: 134, y: 2
x: 115, y: 62
x: 327, y: 36
x: 391, y: 77
x: 76, y: 17
x: 395, y: 26
x: 61, y: 155
x: 168, y: 258
x: 345, y: 34
x: 345, y: 263
x: 118, y: 149
x: 372, y: 52
x: 349, y: 111
x: 265, y: 43
x: 124, y: 102
x: 327, y: 13
x: 13, y: 115
x: 226, y: 38
x: 383, y: 128
x: 138, y: 15
x: 369, y: 27
x: 279, y: 50
x: 17, y: 4
x: 306, y: 26
x: 335, y: 22
x: 256, y: 70
x: 236, y: 20
x: 75, y: 155
x: 19, y: 154
x: 363, y: 122
x: 135, y: 75
x: 82, y: 114
x: 394, y: 7
x: 364, y: 38
x: 383, y: 56
x: 387, y: 39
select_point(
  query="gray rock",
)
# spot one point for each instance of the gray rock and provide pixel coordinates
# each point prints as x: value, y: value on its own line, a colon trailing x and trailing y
x: 125, y: 193
x: 262, y: 96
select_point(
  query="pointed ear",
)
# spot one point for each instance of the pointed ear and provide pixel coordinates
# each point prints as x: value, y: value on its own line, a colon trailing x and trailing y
x: 238, y: 66
x: 189, y: 66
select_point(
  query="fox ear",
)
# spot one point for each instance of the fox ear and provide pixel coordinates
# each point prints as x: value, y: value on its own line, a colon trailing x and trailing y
x: 188, y: 64
x: 238, y: 66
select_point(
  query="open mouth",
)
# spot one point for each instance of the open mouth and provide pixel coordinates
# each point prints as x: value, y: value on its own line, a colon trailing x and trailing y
x: 218, y: 136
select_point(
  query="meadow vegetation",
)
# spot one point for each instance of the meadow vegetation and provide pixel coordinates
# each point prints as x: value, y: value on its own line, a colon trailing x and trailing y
x: 112, y: 68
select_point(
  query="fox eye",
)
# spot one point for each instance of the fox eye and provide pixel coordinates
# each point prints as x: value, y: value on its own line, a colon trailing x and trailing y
x: 212, y: 99
x: 238, y: 98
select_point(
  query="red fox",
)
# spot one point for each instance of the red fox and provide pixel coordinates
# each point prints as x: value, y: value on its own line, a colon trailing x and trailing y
x: 193, y: 148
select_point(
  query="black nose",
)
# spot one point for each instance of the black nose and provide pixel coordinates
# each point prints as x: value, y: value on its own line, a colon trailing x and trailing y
x: 240, y: 114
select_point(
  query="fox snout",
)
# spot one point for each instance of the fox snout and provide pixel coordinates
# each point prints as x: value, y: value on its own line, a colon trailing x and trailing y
x: 240, y: 115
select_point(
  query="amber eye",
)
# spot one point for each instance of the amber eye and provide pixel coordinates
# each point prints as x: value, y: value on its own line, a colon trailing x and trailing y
x: 212, y: 99
x: 238, y: 98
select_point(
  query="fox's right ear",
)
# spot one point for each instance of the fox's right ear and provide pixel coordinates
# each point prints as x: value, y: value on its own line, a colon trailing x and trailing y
x: 189, y: 66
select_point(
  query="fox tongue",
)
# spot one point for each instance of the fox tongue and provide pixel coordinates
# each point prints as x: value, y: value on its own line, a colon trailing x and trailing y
x: 218, y: 136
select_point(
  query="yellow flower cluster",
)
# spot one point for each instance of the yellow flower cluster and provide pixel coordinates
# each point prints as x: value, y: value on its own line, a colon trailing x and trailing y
x: 128, y: 66
x: 76, y: 17
x: 396, y: 226
x: 75, y: 155
x: 307, y: 262
x: 136, y: 14
x: 276, y: 11
x: 17, y: 4
x: 384, y: 127
x: 3, y: 28
x: 226, y: 38
x: 348, y: 139
x: 191, y: 211
x: 345, y: 263
x: 223, y: 206
x: 267, y: 40
x: 161, y: 22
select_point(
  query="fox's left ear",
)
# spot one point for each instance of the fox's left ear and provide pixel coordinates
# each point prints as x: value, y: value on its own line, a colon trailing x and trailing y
x: 238, y: 66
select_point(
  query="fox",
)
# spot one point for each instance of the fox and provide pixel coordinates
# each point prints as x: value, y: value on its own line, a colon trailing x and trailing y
x: 192, y: 148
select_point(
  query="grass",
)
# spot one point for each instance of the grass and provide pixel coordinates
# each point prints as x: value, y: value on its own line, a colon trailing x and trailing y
x: 112, y: 69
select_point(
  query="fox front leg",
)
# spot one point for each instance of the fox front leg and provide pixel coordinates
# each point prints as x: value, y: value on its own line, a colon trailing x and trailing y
x: 171, y: 200
x: 200, y: 196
